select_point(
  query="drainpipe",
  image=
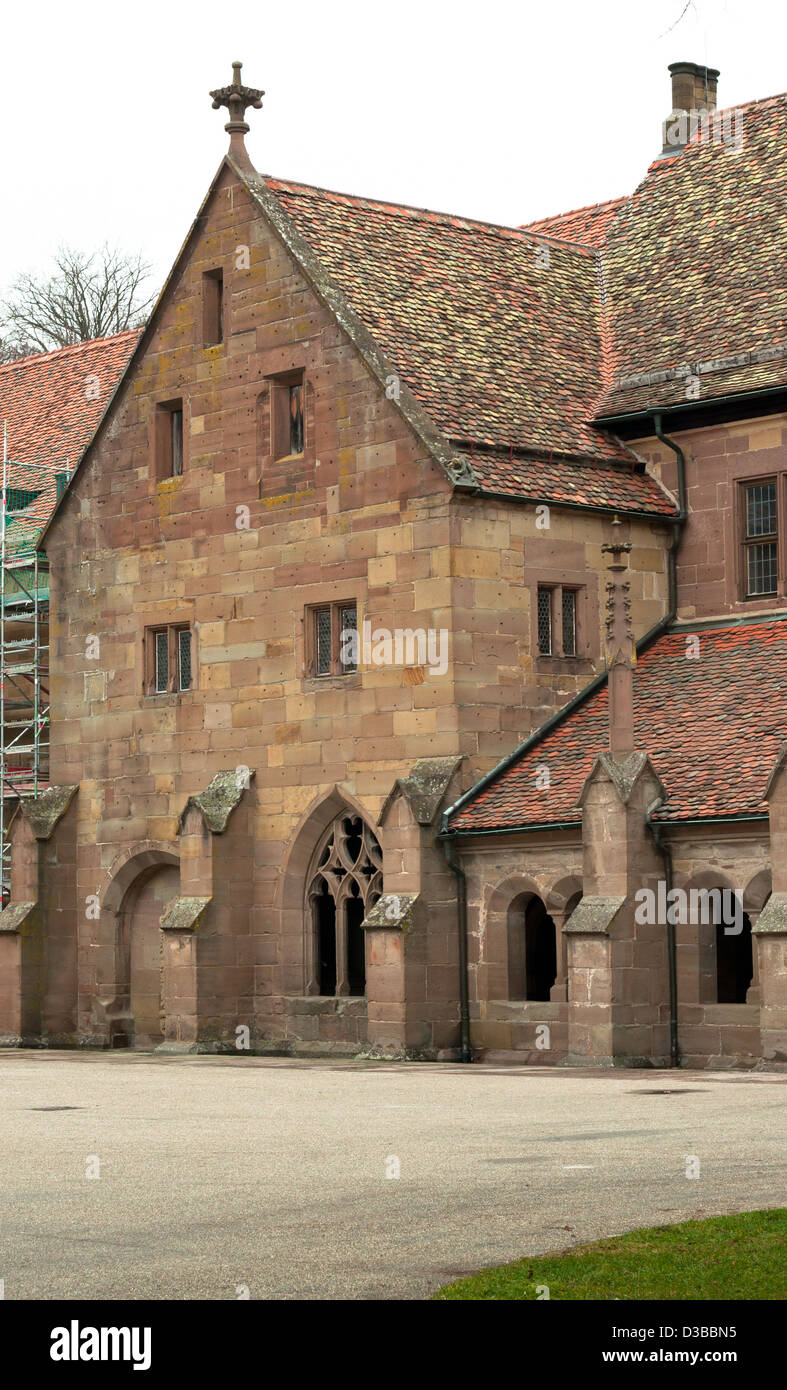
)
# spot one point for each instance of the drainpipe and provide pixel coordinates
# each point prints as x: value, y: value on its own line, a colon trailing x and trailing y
x: 666, y: 854
x: 654, y: 828
x: 678, y: 522
x: 465, y: 1053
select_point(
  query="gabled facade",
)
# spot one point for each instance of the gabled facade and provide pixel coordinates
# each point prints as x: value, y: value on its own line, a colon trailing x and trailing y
x: 336, y: 547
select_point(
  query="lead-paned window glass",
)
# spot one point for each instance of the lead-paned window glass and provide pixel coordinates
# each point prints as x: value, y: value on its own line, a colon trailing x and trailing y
x: 569, y: 626
x: 348, y: 623
x: 184, y: 658
x: 761, y: 567
x: 545, y: 622
x: 162, y: 661
x: 322, y: 621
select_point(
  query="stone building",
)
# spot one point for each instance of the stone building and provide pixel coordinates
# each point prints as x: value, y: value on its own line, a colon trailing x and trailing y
x: 339, y: 544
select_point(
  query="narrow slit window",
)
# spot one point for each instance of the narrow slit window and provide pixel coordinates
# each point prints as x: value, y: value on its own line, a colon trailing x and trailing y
x: 760, y: 541
x: 177, y: 443
x: 184, y: 659
x: 213, y: 308
x: 296, y: 418
x: 545, y: 622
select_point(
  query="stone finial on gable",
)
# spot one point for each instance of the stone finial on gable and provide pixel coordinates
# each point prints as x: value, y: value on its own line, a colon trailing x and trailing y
x: 236, y: 98
x: 219, y: 798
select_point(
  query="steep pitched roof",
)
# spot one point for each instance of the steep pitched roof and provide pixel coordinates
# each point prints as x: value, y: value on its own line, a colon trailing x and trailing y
x: 588, y: 226
x: 713, y: 726
x: 694, y: 264
x: 52, y: 403
x: 497, y: 335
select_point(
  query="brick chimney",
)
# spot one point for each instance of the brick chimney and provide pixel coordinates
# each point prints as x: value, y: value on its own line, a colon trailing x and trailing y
x: 620, y: 650
x: 693, y: 91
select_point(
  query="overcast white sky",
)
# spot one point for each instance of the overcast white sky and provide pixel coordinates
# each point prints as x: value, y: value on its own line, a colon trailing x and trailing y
x: 500, y: 111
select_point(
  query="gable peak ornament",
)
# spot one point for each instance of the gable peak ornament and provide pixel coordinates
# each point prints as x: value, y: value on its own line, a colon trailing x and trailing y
x: 236, y: 98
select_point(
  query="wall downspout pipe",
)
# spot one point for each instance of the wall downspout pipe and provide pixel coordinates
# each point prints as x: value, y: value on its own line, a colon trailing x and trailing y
x: 654, y: 828
x: 449, y: 848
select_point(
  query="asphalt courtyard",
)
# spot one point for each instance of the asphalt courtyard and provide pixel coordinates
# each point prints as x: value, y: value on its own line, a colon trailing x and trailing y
x: 214, y: 1175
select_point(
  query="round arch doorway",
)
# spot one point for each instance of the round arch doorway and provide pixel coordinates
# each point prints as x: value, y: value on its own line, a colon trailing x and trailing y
x: 140, y: 946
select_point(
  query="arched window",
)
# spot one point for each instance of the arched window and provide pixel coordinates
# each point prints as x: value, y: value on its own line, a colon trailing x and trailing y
x: 734, y: 962
x: 532, y: 949
x: 344, y: 882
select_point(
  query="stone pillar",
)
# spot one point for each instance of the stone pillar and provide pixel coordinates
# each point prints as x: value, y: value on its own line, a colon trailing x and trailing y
x: 618, y: 967
x: 770, y: 929
x: 207, y: 948
x: 412, y: 967
x: 38, y: 980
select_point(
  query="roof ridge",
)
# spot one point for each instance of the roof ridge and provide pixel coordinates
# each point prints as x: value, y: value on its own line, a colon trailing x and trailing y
x: 69, y: 347
x: 571, y: 212
x: 408, y: 209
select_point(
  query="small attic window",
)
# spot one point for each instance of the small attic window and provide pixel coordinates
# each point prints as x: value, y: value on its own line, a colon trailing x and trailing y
x: 213, y: 307
x: 169, y: 440
x: 287, y: 415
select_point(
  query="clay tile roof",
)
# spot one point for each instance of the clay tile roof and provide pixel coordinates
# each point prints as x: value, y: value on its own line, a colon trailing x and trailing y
x: 713, y: 726
x: 588, y: 226
x: 52, y: 403
x: 497, y: 333
x: 694, y: 265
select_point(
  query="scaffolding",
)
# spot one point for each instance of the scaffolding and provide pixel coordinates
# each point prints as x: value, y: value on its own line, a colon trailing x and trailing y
x: 24, y: 672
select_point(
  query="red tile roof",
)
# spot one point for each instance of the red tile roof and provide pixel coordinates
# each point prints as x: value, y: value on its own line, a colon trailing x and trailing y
x: 52, y: 403
x: 695, y: 269
x: 588, y: 226
x: 496, y: 333
x: 713, y: 727
x: 578, y: 482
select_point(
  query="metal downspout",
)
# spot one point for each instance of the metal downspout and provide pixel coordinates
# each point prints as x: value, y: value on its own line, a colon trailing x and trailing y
x: 465, y: 1052
x: 655, y: 830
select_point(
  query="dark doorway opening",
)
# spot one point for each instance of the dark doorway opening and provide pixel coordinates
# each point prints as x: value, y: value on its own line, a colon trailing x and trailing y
x: 734, y: 964
x: 540, y: 951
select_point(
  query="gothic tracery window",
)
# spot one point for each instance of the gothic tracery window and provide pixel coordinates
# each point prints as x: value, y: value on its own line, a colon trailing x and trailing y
x: 344, y: 883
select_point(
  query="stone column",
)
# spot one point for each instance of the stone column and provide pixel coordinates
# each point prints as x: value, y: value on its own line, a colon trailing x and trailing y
x: 38, y: 981
x: 208, y: 949
x: 770, y: 929
x: 412, y: 969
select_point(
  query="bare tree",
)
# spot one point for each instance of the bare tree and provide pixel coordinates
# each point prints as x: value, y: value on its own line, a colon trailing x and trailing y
x: 89, y: 296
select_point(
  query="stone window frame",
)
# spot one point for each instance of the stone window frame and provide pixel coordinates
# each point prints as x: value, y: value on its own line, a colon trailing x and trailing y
x: 162, y: 441
x: 279, y: 386
x: 213, y: 308
x: 743, y: 541
x: 332, y: 863
x: 173, y: 630
x: 588, y: 640
x: 334, y: 607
